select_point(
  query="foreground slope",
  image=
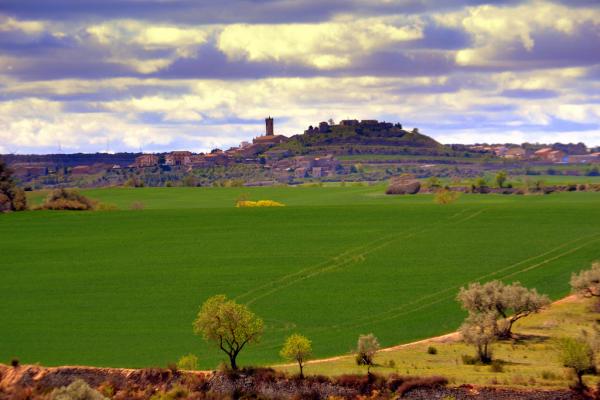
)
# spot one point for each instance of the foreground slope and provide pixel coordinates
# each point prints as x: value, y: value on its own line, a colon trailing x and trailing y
x: 121, y: 288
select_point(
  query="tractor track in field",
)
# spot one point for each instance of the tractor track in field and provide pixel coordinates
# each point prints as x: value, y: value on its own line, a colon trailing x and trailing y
x: 446, y: 338
x: 346, y: 258
x: 397, y: 311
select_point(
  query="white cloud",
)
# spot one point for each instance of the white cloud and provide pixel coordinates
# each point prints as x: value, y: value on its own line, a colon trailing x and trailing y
x: 8, y: 24
x: 497, y: 30
x: 326, y: 45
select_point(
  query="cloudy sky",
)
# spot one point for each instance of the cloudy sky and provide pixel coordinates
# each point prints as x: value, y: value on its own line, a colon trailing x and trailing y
x: 162, y: 75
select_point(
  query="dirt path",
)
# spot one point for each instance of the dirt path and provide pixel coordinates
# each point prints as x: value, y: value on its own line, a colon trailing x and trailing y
x: 447, y: 338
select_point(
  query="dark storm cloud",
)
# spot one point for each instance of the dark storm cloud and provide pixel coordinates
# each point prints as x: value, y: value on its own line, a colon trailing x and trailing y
x: 530, y: 93
x: 211, y: 63
x: 224, y: 11
x: 416, y: 63
x: 556, y: 49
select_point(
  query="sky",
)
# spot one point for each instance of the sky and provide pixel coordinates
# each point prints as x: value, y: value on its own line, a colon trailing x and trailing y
x: 161, y: 75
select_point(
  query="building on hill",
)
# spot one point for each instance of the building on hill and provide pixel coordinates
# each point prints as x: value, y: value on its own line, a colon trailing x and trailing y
x: 349, y: 122
x: 551, y: 155
x: 269, y: 126
x: 514, y: 153
x: 218, y: 158
x: 90, y: 169
x: 146, y: 160
x: 269, y: 139
x: 584, y: 159
x: 177, y: 158
x: 323, y: 127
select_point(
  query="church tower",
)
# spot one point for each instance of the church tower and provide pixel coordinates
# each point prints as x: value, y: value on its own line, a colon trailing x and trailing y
x: 269, y: 123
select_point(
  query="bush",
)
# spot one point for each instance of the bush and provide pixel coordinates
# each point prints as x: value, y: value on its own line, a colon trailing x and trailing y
x: 549, y: 375
x: 14, y: 362
x: 177, y: 392
x: 445, y: 196
x: 260, y: 203
x: 497, y: 366
x: 78, y: 390
x: 432, y: 350
x: 188, y: 362
x: 469, y: 360
x: 68, y: 199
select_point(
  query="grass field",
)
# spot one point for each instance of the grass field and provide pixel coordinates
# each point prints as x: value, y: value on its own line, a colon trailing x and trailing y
x: 121, y: 288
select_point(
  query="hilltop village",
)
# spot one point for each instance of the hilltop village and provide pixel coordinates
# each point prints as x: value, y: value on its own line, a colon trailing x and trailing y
x: 348, y: 151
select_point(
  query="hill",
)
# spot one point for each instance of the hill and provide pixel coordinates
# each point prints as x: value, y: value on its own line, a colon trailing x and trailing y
x: 364, y: 137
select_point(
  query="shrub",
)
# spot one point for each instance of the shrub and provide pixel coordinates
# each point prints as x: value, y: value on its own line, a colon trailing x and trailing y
x: 78, y: 390
x: 260, y: 203
x: 432, y: 350
x: 578, y: 355
x: 497, y: 366
x: 469, y: 360
x: 177, y: 392
x: 188, y: 362
x: 445, y: 196
x: 11, y: 197
x: 14, y: 362
x: 549, y: 375
x: 68, y: 199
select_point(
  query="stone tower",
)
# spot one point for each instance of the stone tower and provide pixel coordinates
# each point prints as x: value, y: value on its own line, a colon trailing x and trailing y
x: 269, y: 123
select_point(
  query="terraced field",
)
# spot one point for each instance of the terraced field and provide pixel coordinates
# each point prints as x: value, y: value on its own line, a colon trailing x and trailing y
x: 121, y: 288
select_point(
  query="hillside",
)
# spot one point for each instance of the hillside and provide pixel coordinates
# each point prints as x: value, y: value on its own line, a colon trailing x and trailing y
x: 365, y: 137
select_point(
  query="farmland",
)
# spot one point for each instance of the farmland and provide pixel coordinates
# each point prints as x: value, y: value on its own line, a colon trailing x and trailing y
x: 121, y: 288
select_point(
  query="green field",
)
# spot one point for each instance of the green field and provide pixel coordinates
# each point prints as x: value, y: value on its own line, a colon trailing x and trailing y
x: 121, y: 288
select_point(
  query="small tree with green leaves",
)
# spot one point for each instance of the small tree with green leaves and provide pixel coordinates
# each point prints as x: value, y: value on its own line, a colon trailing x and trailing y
x: 229, y: 324
x: 501, y: 178
x: 578, y: 355
x: 366, y: 348
x: 297, y: 348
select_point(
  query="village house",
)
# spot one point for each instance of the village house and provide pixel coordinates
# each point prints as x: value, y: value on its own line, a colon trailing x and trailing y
x: 146, y: 160
x: 514, y: 153
x: 584, y: 159
x: 177, y: 158
x: 550, y: 155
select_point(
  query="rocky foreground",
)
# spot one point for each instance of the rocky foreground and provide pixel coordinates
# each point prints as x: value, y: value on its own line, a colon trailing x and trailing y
x: 35, y: 382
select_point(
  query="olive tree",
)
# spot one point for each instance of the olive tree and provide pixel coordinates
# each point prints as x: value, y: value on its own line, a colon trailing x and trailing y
x: 587, y: 282
x: 507, y: 303
x: 366, y: 348
x: 297, y: 348
x: 578, y: 355
x: 480, y: 331
x: 229, y: 324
